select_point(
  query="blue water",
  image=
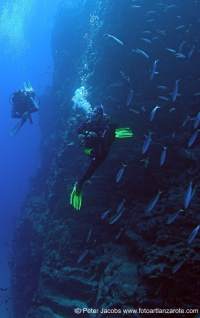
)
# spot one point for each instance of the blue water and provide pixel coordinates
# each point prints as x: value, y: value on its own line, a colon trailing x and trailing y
x: 25, y: 45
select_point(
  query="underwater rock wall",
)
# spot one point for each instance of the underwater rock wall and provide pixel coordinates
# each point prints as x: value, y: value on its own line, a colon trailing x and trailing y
x: 64, y: 259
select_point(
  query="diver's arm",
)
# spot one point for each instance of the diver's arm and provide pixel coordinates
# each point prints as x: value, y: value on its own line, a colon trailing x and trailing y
x: 35, y: 104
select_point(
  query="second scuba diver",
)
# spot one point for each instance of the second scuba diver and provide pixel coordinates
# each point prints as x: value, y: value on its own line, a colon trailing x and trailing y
x: 24, y: 103
x: 96, y: 135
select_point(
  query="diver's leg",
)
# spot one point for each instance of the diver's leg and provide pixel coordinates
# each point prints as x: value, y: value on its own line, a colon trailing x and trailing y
x: 95, y: 163
x: 76, y: 194
x: 19, y: 125
x: 76, y: 197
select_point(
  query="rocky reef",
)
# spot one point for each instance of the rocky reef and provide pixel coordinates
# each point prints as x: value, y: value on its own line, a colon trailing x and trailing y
x: 63, y: 259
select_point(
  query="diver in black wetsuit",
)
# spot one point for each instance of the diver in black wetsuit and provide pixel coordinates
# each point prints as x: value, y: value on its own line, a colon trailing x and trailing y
x: 24, y: 103
x: 97, y: 135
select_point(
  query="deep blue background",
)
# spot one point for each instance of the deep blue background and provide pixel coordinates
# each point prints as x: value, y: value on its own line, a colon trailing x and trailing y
x: 30, y: 60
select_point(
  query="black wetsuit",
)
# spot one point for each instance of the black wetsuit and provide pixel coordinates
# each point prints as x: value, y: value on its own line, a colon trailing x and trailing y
x: 23, y: 103
x: 99, y: 134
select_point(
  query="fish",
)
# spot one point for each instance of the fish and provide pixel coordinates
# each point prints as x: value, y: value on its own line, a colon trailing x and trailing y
x: 147, y: 32
x: 193, y: 234
x: 163, y: 87
x: 114, y: 38
x: 146, y: 40
x: 188, y: 195
x: 135, y: 6
x: 180, y: 27
x: 151, y: 12
x: 164, y: 98
x: 175, y: 92
x: 186, y: 121
x: 147, y: 143
x: 190, y: 53
x: 120, y: 210
x: 124, y: 76
x: 171, y: 50
x: 143, y: 109
x: 70, y: 144
x: 194, y: 191
x: 161, y: 32
x: 173, y: 217
x: 82, y: 256
x: 178, y: 266
x: 172, y: 109
x: 153, y: 202
x: 116, y: 217
x: 105, y: 214
x: 163, y: 156
x: 173, y: 134
x: 180, y: 56
x: 196, y: 94
x: 134, y: 111
x: 89, y: 235
x: 150, y: 20
x: 129, y: 98
x: 153, y: 112
x: 154, y: 69
x: 197, y: 121
x: 119, y: 233
x: 170, y: 6
x: 180, y: 48
x: 120, y: 173
x: 120, y: 206
x: 141, y: 52
x: 193, y: 138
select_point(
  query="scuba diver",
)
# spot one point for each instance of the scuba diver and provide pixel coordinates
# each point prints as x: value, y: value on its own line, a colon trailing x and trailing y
x: 96, y: 135
x: 24, y: 103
